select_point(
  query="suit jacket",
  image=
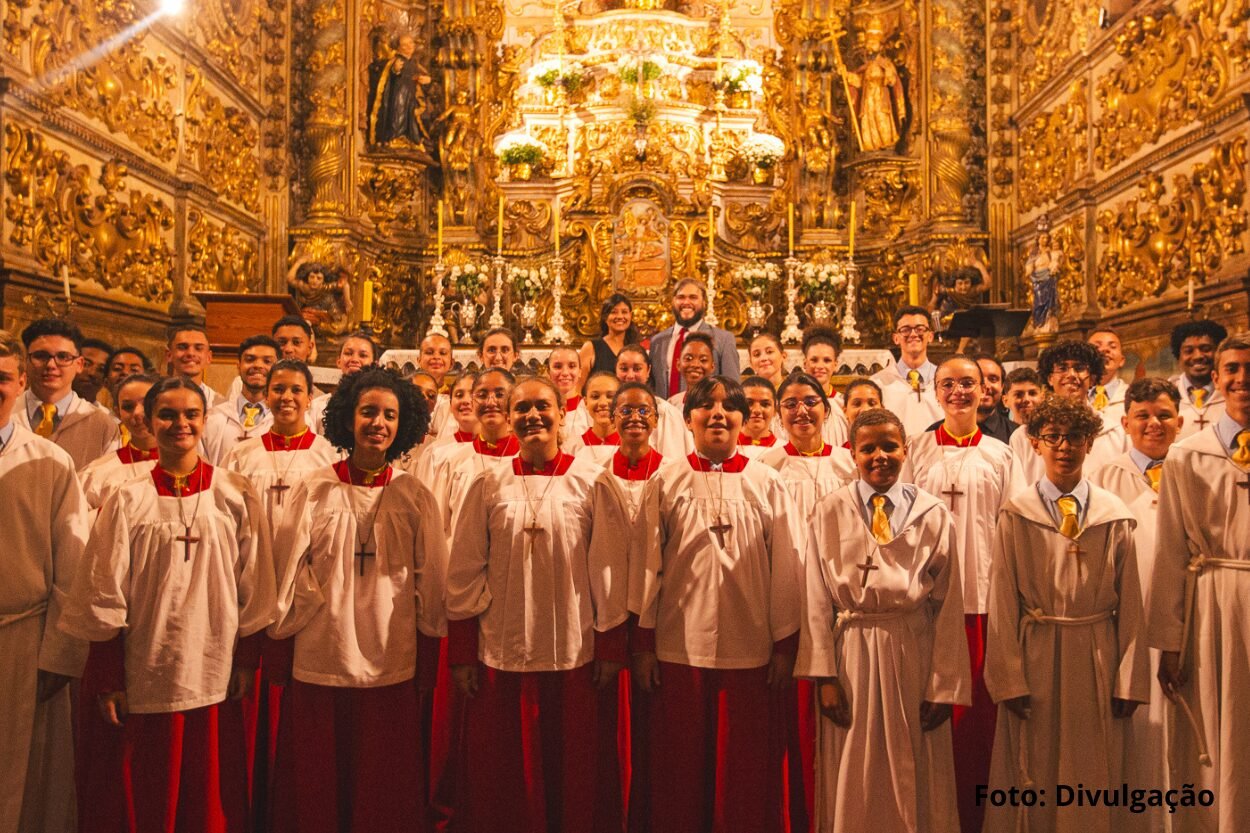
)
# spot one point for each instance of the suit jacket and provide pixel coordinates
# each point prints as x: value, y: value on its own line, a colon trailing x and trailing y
x: 725, y: 353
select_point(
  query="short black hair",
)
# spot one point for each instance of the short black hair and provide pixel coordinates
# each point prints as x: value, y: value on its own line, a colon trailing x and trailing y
x: 174, y: 329
x: 910, y: 309
x: 699, y: 338
x: 290, y: 364
x: 628, y: 386
x: 759, y: 382
x: 339, y: 420
x: 1150, y: 388
x: 1191, y: 329
x: 292, y: 321
x: 127, y: 350
x: 1055, y: 410
x: 821, y: 335
x: 700, y: 395
x: 361, y: 335
x: 259, y: 340
x: 1071, y: 350
x: 876, y: 416
x: 165, y: 385
x: 52, y: 327
x: 861, y: 382
x: 98, y: 344
x: 990, y: 357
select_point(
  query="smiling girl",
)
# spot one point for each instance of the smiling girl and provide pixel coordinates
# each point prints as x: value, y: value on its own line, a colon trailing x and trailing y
x: 137, y: 456
x: 598, y: 442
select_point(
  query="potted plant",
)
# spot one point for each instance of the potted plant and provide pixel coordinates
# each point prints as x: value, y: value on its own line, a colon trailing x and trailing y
x: 643, y: 74
x: 762, y: 151
x: 740, y: 80
x: 520, y: 154
x: 554, y: 73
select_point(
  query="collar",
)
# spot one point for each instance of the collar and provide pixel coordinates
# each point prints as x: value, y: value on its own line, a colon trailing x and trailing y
x: 824, y: 451
x: 895, y: 494
x: 733, y: 465
x: 1141, y: 460
x: 927, y: 370
x: 766, y: 442
x: 200, y: 478
x: 241, y: 402
x: 590, y: 438
x: 63, y: 406
x: 6, y: 433
x: 130, y: 454
x: 698, y: 325
x: 1185, y: 386
x: 642, y: 470
x: 1052, y: 493
x: 1227, y: 429
x: 570, y: 404
x: 554, y: 467
x: 353, y: 476
x: 508, y: 447
x: 1112, y: 389
x: 945, y: 437
x: 276, y: 442
x: 463, y: 436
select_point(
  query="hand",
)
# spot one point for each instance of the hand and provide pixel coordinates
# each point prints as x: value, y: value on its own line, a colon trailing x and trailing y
x: 1123, y: 708
x: 833, y: 703
x: 781, y: 672
x: 1171, y: 676
x: 646, y: 671
x: 1021, y: 706
x: 242, y: 680
x: 605, y: 672
x: 49, y: 683
x: 465, y: 677
x: 933, y: 715
x: 113, y: 707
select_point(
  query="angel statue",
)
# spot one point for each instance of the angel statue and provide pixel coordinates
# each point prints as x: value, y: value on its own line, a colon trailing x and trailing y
x: 1042, y: 267
x: 322, y: 294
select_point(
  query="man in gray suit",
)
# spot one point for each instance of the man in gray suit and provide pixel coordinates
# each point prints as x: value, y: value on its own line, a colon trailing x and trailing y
x: 689, y: 304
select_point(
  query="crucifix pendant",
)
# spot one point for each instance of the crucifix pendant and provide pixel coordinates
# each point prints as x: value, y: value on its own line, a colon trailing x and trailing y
x: 719, y: 529
x: 1074, y: 549
x: 278, y: 489
x: 187, y: 540
x: 951, y: 492
x: 362, y: 554
x: 531, y: 530
x: 1202, y: 421
x: 867, y: 567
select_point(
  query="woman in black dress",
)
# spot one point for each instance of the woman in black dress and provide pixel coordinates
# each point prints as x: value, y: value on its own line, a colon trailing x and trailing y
x: 616, y: 329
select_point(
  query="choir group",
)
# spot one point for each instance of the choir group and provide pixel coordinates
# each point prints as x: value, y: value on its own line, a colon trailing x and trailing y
x: 639, y: 591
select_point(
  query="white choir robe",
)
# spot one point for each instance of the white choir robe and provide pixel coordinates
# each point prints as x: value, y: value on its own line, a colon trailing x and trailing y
x: 1027, y: 466
x: 576, y: 419
x: 317, y: 412
x: 182, y: 616
x: 416, y: 460
x: 917, y: 409
x: 1148, y: 732
x: 808, y: 479
x: 45, y: 521
x: 267, y: 469
x: 1197, y: 419
x: 1069, y: 669
x: 597, y: 449
x: 755, y: 449
x: 892, y: 643
x: 451, y: 468
x: 85, y: 430
x: 836, y: 430
x: 671, y: 436
x: 114, y: 469
x: 223, y: 430
x: 1204, y: 511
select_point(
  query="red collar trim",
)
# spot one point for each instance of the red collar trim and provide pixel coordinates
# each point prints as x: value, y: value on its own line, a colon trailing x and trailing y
x: 644, y: 468
x: 463, y: 436
x: 130, y: 454
x: 507, y: 448
x: 766, y: 442
x: 733, y: 465
x: 944, y: 438
x: 200, y: 478
x: 556, y: 466
x: 825, y: 451
x: 570, y: 404
x: 350, y: 474
x: 591, y: 438
x: 277, y: 442
x: 847, y: 445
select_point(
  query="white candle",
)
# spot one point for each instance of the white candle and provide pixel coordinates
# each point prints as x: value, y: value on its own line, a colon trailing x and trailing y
x: 65, y: 284
x: 1188, y: 306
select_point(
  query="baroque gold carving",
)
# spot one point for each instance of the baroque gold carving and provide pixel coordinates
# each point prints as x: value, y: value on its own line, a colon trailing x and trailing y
x: 225, y: 144
x: 1053, y: 150
x: 99, y: 230
x: 390, y: 194
x: 220, y: 257
x: 230, y: 32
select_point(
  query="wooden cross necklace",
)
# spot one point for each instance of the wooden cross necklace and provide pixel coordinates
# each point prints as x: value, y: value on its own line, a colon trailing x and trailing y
x: 180, y: 482
x: 635, y: 506
x: 280, y: 488
x: 718, y: 506
x: 868, y: 566
x: 362, y: 545
x: 951, y: 491
x: 532, y: 528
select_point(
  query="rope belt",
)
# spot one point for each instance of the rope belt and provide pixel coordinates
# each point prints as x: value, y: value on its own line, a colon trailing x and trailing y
x: 30, y: 612
x: 865, y: 619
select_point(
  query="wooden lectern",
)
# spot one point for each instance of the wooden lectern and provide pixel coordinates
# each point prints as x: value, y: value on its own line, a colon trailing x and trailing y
x: 231, y: 317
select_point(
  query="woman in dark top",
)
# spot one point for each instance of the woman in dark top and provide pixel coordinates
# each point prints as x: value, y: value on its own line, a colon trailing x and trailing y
x: 616, y: 329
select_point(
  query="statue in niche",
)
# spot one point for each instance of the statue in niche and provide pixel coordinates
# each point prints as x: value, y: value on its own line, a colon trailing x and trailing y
x: 963, y: 289
x: 879, y: 100
x: 397, y: 97
x: 456, y: 146
x: 322, y: 293
x: 1042, y: 268
x: 640, y: 244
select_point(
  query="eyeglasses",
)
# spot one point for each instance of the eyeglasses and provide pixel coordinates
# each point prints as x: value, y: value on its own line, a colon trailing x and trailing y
x: 948, y: 385
x: 1078, y: 368
x: 487, y: 395
x: 61, y: 359
x: 627, y: 411
x: 808, y: 402
x: 1056, y: 440
x: 918, y: 330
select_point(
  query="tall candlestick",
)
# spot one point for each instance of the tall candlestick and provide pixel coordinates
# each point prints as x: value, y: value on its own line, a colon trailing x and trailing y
x: 555, y: 224
x: 790, y: 222
x: 711, y: 229
x: 366, y: 305
x: 851, y: 242
x: 440, y: 231
x: 65, y: 285
x: 499, y: 237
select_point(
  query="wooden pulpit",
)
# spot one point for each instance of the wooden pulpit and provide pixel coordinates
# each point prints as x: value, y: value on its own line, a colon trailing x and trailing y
x: 230, y: 317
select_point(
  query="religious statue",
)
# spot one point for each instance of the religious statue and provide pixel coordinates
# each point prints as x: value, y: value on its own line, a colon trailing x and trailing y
x: 963, y: 289
x: 456, y: 150
x: 640, y: 244
x: 1042, y: 267
x: 322, y: 294
x: 397, y: 99
x: 876, y: 89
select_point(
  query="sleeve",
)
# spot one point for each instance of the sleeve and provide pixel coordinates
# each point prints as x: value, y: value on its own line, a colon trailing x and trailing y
x: 1004, y: 658
x: 254, y: 570
x: 648, y: 555
x: 950, y: 676
x: 608, y: 554
x: 59, y: 652
x: 1165, y: 626
x: 728, y: 356
x: 817, y: 655
x: 430, y: 567
x: 1133, y: 675
x: 99, y: 600
x: 785, y: 569
x: 297, y: 591
x: 468, y: 593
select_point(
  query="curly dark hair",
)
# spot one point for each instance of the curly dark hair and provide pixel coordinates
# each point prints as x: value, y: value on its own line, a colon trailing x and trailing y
x: 1071, y: 351
x: 821, y: 335
x: 414, y: 415
x: 877, y: 416
x: 1055, y: 410
x: 1192, y: 329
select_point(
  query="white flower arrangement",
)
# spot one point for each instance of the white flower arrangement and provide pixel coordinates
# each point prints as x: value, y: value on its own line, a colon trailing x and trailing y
x: 821, y: 280
x: 569, y: 74
x: 756, y: 276
x: 762, y: 150
x: 518, y: 148
x: 528, y: 282
x: 744, y: 76
x: 468, y: 279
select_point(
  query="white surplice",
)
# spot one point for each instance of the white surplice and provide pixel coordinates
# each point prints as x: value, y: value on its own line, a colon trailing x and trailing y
x: 44, y: 518
x: 355, y: 617
x: 1070, y: 668
x: 268, y: 469
x: 223, y: 430
x: 893, y: 642
x: 671, y: 436
x: 1196, y: 419
x: 538, y: 597
x: 107, y: 473
x: 808, y: 479
x: 1204, y: 512
x: 183, y: 606
x: 451, y: 468
x: 917, y: 409
x: 85, y: 430
x: 1027, y: 466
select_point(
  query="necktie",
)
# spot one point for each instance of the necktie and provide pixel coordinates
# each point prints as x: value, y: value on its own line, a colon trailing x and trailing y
x: 1199, y: 396
x: 250, y: 412
x: 1100, y: 398
x: 48, y: 423
x: 1154, y: 473
x: 913, y: 379
x: 674, y: 375
x: 880, y: 523
x: 1069, y: 526
x: 1242, y: 455
x: 125, y: 435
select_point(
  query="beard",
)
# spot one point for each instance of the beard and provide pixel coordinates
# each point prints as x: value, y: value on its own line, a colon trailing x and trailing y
x: 695, y: 318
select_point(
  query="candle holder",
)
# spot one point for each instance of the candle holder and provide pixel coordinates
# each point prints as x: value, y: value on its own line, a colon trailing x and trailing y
x: 791, y: 334
x: 556, y: 333
x: 496, y: 315
x: 849, y: 332
x: 709, y: 264
x: 438, y: 325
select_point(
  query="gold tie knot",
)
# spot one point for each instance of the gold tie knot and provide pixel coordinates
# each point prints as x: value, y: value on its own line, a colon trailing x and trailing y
x: 1069, y: 525
x: 1199, y: 396
x: 1100, y: 398
x: 880, y: 521
x: 1242, y: 455
x: 250, y: 412
x: 913, y: 379
x: 1154, y: 473
x: 47, y: 423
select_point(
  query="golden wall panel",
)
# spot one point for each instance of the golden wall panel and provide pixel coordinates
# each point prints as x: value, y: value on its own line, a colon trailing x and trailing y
x: 223, y: 142
x: 220, y: 256
x: 1053, y: 151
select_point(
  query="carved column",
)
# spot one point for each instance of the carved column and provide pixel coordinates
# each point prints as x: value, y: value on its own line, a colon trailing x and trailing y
x: 326, y: 131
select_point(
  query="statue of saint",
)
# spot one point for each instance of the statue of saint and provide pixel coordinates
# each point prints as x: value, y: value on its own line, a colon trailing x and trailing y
x: 456, y: 146
x: 879, y: 99
x: 322, y: 294
x: 397, y: 100
x: 1042, y: 267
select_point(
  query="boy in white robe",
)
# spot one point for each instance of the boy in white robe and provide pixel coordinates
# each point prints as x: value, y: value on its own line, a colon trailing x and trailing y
x: 1193, y: 347
x: 1065, y: 662
x: 245, y: 415
x: 1199, y: 599
x: 907, y: 385
x: 882, y: 638
x: 44, y: 518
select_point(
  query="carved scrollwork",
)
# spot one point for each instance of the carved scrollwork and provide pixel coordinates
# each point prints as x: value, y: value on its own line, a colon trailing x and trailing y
x: 390, y: 194
x: 225, y: 143
x: 1052, y: 150
x: 220, y: 257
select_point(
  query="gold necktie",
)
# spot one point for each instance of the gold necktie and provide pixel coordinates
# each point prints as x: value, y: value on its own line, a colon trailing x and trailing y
x: 1199, y: 395
x: 125, y: 435
x: 250, y: 413
x: 913, y: 379
x: 1100, y: 398
x: 1242, y: 455
x: 880, y: 523
x: 1069, y: 525
x: 1154, y: 473
x: 48, y: 423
